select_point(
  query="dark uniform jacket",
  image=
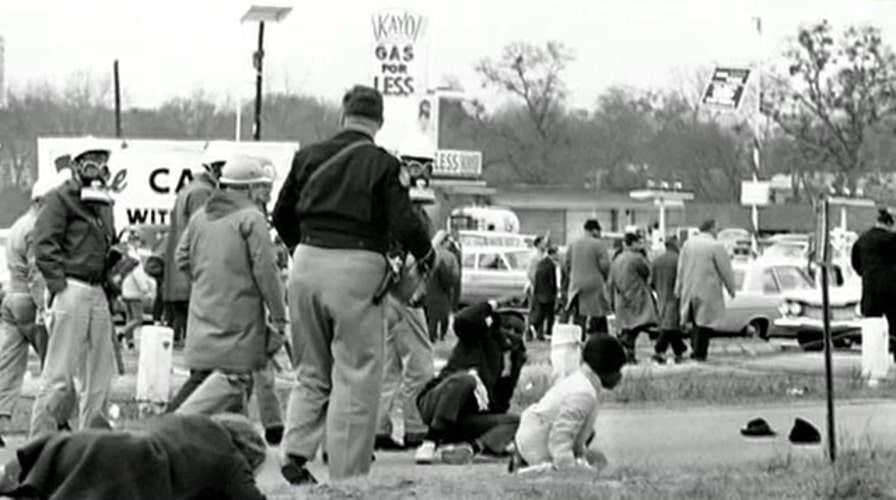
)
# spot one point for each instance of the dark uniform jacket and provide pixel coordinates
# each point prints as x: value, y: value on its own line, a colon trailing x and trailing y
x: 72, y: 238
x: 874, y: 259
x: 356, y: 203
x: 480, y: 346
x: 181, y: 457
x: 662, y: 280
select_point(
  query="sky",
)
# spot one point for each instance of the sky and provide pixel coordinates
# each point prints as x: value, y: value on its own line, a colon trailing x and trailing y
x: 170, y: 48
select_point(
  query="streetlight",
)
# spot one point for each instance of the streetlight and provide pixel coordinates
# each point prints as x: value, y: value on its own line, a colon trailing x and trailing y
x: 261, y: 14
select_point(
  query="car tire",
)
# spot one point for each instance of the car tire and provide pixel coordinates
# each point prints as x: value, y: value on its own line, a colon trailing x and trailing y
x: 757, y: 329
x: 810, y: 341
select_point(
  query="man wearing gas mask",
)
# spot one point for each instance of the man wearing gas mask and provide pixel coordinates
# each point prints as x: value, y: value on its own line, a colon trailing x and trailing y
x: 74, y: 234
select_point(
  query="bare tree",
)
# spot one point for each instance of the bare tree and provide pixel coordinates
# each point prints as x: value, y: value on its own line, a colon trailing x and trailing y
x: 835, y: 94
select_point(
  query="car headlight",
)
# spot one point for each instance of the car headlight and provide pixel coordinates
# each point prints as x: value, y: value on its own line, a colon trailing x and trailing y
x: 784, y: 309
x: 791, y: 309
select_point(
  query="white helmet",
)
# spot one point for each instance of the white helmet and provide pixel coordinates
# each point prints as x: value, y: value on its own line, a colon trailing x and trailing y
x: 89, y: 145
x: 244, y: 170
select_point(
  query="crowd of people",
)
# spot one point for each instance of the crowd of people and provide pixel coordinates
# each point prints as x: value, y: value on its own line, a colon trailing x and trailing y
x: 362, y: 356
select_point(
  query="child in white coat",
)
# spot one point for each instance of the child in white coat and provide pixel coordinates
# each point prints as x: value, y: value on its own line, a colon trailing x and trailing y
x: 555, y: 431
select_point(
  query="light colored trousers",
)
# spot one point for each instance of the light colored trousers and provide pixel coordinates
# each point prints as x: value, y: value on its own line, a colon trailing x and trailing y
x: 408, y: 366
x: 220, y: 392
x: 79, y: 347
x: 337, y: 340
x: 17, y: 332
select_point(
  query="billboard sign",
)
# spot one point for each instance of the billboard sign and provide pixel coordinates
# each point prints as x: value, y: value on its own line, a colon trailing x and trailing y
x: 147, y: 174
x: 726, y: 88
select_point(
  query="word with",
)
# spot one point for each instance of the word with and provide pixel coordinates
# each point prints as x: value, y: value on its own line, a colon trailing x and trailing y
x: 147, y: 216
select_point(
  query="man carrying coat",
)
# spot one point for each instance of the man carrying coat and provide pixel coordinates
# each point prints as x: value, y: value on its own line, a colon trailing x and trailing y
x: 588, y: 267
x: 227, y: 253
x: 704, y: 272
x: 632, y: 299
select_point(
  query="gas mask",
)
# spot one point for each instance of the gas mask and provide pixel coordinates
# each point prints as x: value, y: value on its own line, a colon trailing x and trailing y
x: 94, y: 176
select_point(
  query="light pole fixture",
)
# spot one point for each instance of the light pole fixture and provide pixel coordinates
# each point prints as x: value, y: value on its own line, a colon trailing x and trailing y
x: 661, y: 193
x: 261, y: 14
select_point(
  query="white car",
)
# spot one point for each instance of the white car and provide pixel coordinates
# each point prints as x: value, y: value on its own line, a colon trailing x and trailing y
x: 761, y: 286
x: 803, y: 318
x: 493, y: 271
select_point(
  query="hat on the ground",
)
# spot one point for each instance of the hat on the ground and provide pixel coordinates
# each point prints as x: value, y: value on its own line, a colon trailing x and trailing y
x: 757, y: 427
x: 804, y: 432
x: 244, y: 170
x: 363, y: 101
x: 244, y: 436
x: 603, y: 353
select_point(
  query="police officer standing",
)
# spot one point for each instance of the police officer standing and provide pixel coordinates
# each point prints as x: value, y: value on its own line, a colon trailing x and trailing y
x: 343, y: 199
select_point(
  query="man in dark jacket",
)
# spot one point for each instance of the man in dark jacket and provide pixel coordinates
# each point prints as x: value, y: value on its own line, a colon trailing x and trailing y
x: 177, y: 457
x: 662, y: 281
x: 175, y: 283
x: 440, y: 292
x: 544, y: 294
x: 73, y: 235
x: 466, y: 405
x: 343, y: 200
x: 874, y: 259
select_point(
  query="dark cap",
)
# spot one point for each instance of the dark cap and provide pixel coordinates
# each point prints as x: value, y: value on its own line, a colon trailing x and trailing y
x: 363, y: 101
x: 592, y: 225
x: 604, y: 353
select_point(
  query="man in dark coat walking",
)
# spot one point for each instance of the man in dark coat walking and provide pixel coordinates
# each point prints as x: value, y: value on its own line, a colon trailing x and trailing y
x: 662, y: 281
x: 544, y: 294
x: 874, y: 259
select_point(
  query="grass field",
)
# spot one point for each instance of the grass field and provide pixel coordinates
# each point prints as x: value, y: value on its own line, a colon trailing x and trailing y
x: 858, y: 474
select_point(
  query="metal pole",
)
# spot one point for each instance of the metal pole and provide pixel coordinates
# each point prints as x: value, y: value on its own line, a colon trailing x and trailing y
x: 259, y: 58
x: 825, y: 244
x: 239, y: 117
x: 117, y: 99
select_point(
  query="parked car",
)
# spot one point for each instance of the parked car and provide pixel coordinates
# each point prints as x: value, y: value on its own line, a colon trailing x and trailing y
x: 761, y: 285
x: 802, y: 315
x: 494, y: 239
x: 493, y: 271
x: 738, y: 242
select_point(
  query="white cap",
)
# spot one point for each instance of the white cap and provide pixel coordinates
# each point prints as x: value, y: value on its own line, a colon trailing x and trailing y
x: 244, y: 170
x: 45, y: 184
x: 89, y: 145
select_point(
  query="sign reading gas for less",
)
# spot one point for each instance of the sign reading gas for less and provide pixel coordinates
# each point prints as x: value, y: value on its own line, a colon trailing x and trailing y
x: 399, y: 59
x: 453, y: 163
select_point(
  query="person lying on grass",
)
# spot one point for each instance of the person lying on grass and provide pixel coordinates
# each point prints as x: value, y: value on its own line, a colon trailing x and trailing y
x: 176, y: 457
x: 555, y: 431
x: 465, y: 406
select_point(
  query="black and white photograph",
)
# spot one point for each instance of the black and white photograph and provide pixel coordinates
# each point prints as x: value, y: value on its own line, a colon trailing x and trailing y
x: 426, y: 249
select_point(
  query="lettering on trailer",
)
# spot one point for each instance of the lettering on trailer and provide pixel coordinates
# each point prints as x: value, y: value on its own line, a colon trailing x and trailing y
x: 396, y: 33
x: 147, y: 216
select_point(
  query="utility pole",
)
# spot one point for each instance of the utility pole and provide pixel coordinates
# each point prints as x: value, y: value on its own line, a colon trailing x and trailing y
x: 117, y: 85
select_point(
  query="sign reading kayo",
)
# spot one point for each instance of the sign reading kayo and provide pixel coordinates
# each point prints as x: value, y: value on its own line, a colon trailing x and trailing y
x: 399, y: 63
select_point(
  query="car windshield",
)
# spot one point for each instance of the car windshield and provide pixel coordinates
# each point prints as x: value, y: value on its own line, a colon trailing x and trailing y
x: 786, y: 250
x: 793, y: 278
x: 519, y: 261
